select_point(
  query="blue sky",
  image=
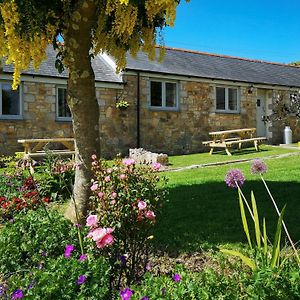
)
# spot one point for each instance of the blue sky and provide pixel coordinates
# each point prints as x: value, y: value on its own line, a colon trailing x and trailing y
x: 258, y: 29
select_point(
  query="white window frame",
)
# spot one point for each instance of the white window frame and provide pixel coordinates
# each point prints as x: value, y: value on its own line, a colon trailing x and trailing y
x: 163, y: 95
x: 12, y: 117
x: 227, y: 110
x: 57, y: 117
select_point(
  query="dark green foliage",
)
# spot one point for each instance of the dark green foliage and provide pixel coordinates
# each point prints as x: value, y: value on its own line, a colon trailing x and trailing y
x: 30, y: 236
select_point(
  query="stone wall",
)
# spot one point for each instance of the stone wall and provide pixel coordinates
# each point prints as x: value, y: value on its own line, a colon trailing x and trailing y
x: 38, y: 118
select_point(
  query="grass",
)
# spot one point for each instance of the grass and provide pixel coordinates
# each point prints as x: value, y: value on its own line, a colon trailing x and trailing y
x: 221, y: 156
x: 203, y: 212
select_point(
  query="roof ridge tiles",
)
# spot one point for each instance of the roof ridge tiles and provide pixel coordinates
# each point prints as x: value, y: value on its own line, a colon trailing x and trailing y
x: 226, y: 56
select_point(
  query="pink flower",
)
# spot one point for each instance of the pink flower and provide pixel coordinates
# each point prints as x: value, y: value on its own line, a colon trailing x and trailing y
x: 94, y: 163
x: 94, y: 187
x: 92, y: 221
x: 112, y: 202
x: 114, y: 194
x: 107, y: 178
x: 156, y: 166
x: 109, y: 171
x: 142, y: 205
x: 150, y: 215
x: 100, y: 194
x: 68, y: 250
x: 94, y: 157
x: 123, y: 176
x: 128, y: 162
x: 107, y: 240
x: 82, y: 257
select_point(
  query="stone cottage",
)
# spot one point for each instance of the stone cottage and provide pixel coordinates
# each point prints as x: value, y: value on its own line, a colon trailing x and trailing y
x: 173, y: 105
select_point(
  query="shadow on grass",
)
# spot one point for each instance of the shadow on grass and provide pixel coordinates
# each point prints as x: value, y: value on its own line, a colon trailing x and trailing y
x: 206, y: 215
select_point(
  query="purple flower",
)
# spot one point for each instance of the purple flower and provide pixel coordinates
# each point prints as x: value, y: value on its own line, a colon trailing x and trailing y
x: 234, y: 177
x: 258, y: 167
x: 31, y: 285
x: 82, y: 257
x: 68, y: 250
x: 123, y: 260
x: 176, y: 277
x: 145, y: 298
x: 2, y: 290
x: 81, y: 279
x: 17, y: 294
x: 163, y: 291
x: 126, y: 294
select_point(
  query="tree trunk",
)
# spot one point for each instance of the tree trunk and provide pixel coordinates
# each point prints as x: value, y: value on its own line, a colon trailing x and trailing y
x: 83, y: 103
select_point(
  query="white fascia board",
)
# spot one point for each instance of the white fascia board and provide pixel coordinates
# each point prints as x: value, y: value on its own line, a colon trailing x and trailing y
x: 211, y: 81
x: 58, y: 81
x: 111, y: 62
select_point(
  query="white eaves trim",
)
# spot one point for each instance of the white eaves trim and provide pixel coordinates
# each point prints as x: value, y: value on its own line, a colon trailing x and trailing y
x: 111, y: 62
x: 211, y: 81
x: 57, y: 80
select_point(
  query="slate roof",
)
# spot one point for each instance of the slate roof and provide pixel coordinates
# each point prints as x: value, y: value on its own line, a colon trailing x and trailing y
x: 103, y: 71
x: 212, y: 66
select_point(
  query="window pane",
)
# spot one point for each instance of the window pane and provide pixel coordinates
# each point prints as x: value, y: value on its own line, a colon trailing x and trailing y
x: 63, y: 108
x: 220, y: 98
x: 232, y: 99
x: 10, y: 101
x: 171, y: 94
x: 156, y: 93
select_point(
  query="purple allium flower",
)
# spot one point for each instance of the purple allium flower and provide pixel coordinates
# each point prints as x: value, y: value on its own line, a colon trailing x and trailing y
x: 82, y: 257
x: 126, y: 294
x: 258, y: 167
x: 176, y: 277
x: 81, y: 279
x: 17, y: 294
x: 68, y: 250
x: 234, y: 177
x: 2, y: 290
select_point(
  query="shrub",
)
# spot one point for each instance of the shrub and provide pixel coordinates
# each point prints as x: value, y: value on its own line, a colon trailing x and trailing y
x: 30, y: 237
x: 63, y: 278
x: 126, y: 200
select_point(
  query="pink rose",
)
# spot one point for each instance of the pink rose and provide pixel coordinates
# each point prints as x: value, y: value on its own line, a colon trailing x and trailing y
x: 156, y: 166
x: 107, y: 240
x: 114, y: 194
x: 92, y: 221
x: 100, y: 194
x: 142, y: 205
x: 128, y: 162
x: 94, y: 187
x: 112, y: 202
x: 107, y: 178
x: 150, y: 215
x: 123, y: 176
x: 97, y: 234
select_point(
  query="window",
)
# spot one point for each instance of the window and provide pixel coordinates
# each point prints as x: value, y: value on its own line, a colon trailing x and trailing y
x: 227, y: 99
x: 10, y: 102
x: 63, y: 112
x: 164, y: 95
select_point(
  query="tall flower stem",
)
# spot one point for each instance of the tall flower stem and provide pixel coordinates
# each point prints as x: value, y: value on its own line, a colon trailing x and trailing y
x: 245, y: 200
x: 283, y: 223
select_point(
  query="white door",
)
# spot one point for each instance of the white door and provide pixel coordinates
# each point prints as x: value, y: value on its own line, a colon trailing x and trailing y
x: 261, y: 113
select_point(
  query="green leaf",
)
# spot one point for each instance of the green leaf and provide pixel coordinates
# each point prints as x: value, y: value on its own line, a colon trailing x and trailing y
x: 276, y: 245
x: 265, y: 237
x: 246, y: 260
x: 244, y: 220
x: 256, y: 220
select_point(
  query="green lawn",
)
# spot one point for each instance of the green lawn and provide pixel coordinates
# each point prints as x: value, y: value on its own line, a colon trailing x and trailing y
x: 221, y: 156
x: 204, y: 212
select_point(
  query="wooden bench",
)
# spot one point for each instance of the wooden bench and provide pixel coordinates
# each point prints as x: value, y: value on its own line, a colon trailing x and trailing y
x: 40, y: 147
x: 227, y: 138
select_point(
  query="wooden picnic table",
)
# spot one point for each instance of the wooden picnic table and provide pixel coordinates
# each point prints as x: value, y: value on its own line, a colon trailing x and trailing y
x: 227, y: 138
x: 39, y: 147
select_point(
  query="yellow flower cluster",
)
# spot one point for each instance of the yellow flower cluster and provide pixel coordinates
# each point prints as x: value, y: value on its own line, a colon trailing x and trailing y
x: 16, y: 49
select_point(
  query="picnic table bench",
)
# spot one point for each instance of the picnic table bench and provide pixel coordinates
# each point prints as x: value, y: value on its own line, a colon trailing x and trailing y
x: 227, y: 138
x: 39, y: 147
